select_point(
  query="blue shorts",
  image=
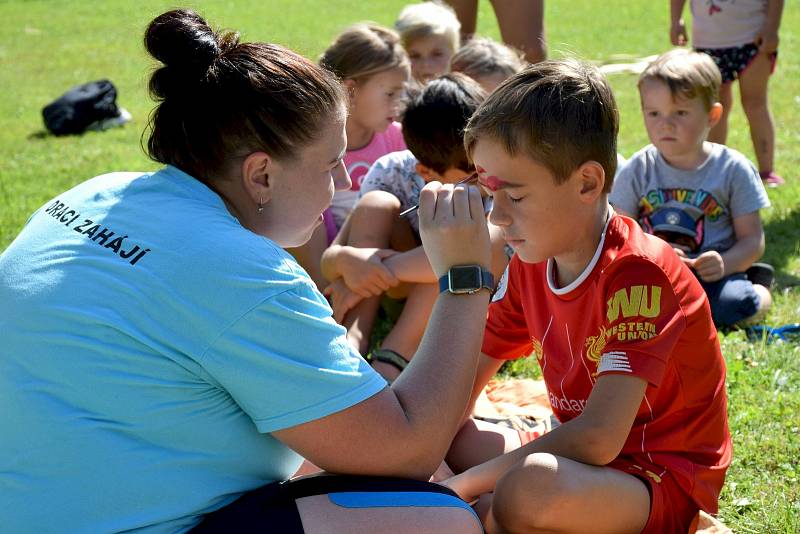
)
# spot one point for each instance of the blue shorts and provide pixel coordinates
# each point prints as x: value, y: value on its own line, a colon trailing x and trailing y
x: 732, y: 299
x: 273, y: 508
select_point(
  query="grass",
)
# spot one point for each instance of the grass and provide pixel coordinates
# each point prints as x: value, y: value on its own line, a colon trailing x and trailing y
x: 48, y: 46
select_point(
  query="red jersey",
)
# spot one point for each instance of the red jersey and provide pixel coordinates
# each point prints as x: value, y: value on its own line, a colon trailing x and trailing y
x: 636, y: 309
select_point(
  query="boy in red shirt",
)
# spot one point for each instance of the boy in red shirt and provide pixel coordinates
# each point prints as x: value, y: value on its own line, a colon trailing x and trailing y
x: 620, y: 326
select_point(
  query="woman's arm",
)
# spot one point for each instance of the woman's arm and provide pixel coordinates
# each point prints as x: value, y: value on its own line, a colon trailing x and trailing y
x: 406, y: 429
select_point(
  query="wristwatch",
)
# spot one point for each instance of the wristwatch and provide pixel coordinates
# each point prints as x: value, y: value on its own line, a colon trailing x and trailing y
x: 466, y: 279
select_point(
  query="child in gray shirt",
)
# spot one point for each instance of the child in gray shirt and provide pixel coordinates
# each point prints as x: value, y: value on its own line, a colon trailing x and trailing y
x: 702, y: 197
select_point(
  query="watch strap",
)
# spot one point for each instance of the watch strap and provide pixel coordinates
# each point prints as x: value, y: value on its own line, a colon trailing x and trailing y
x: 487, y: 281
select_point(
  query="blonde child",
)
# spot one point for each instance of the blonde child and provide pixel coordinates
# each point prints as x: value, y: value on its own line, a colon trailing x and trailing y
x: 620, y: 328
x: 742, y: 38
x: 378, y: 252
x: 374, y: 69
x: 702, y: 197
x: 487, y: 62
x: 429, y: 32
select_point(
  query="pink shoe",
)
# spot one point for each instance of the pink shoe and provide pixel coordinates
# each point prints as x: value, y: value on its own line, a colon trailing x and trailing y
x: 771, y: 179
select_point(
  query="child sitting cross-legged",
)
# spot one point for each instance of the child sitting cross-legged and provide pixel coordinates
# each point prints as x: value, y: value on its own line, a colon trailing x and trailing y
x: 702, y: 197
x: 620, y: 327
x: 374, y: 70
x: 378, y: 252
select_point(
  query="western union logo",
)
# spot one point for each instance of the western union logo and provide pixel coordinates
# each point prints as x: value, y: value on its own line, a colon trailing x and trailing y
x: 644, y: 301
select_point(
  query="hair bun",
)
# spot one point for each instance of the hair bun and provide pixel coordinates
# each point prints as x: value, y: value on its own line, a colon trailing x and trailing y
x: 187, y: 46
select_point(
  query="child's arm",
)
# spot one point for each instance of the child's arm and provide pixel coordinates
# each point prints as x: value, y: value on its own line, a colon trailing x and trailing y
x: 712, y: 266
x: 767, y: 38
x: 677, y: 32
x: 361, y: 268
x: 595, y: 437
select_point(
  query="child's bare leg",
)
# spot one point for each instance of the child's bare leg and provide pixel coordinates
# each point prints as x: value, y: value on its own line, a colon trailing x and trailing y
x: 719, y: 133
x: 753, y: 88
x: 371, y: 226
x: 310, y: 255
x: 478, y: 442
x: 407, y: 332
x: 550, y: 493
x: 522, y: 26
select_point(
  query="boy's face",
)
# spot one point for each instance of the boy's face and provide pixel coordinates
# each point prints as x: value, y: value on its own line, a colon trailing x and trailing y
x: 537, y: 216
x: 430, y: 57
x: 677, y: 126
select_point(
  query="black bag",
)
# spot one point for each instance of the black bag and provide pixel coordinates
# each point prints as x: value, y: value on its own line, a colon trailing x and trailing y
x: 81, y: 106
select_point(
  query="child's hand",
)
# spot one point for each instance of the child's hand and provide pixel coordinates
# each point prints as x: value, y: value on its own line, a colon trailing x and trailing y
x: 461, y: 484
x: 677, y: 33
x: 363, y: 271
x: 342, y: 299
x: 709, y: 266
x: 453, y: 227
x: 767, y: 41
x: 444, y: 472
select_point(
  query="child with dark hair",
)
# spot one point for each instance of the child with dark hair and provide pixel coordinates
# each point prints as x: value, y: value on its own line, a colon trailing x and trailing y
x: 376, y: 240
x: 708, y: 195
x: 620, y: 327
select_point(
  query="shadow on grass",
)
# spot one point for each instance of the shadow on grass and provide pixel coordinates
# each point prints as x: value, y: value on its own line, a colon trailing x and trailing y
x: 41, y: 134
x: 783, y: 244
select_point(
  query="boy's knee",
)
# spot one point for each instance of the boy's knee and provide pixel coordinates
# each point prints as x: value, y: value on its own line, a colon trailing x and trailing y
x: 534, y: 481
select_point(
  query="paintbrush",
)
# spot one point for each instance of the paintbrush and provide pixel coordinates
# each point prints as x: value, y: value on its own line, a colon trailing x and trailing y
x: 472, y: 177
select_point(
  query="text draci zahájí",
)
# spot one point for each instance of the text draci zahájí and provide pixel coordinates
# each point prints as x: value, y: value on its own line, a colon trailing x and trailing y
x: 103, y: 236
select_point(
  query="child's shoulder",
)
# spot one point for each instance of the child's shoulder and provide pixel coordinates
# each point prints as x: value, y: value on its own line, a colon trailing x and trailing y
x: 400, y: 159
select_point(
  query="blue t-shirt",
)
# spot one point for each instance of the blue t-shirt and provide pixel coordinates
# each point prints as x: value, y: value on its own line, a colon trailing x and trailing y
x: 150, y: 344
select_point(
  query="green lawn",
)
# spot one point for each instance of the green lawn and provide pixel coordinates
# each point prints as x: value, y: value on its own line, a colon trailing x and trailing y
x: 48, y: 46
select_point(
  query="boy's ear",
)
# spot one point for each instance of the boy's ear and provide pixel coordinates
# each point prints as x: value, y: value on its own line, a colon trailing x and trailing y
x: 591, y: 179
x: 428, y: 174
x: 714, y: 114
x: 256, y: 180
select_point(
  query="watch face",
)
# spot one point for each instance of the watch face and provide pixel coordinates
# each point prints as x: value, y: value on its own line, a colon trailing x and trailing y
x: 465, y: 279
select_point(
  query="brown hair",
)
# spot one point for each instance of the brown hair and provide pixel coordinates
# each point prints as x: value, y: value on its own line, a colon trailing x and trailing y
x: 558, y: 113
x: 481, y: 56
x: 687, y: 73
x: 219, y: 99
x: 434, y: 121
x: 363, y: 50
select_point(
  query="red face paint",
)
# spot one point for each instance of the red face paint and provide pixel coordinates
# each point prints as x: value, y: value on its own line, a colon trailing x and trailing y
x: 492, y: 183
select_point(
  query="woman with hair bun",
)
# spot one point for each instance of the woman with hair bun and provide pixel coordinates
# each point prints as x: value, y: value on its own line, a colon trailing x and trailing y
x: 166, y: 365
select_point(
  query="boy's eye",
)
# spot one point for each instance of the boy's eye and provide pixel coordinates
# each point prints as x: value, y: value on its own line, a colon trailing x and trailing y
x: 652, y: 113
x: 515, y: 200
x: 682, y: 113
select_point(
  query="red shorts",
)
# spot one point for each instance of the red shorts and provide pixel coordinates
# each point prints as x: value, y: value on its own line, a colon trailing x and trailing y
x: 671, y: 509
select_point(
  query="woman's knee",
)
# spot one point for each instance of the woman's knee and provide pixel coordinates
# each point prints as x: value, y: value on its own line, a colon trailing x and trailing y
x: 527, y: 497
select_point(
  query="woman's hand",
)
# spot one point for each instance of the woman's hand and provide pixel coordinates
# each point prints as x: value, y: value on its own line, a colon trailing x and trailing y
x: 363, y: 271
x: 342, y: 299
x: 453, y: 227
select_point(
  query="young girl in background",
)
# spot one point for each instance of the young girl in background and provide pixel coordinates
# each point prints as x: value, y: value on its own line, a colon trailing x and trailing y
x: 374, y: 69
x: 429, y: 32
x: 742, y: 39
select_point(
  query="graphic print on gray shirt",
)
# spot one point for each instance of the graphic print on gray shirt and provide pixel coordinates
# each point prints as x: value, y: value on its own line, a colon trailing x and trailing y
x: 697, y: 205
